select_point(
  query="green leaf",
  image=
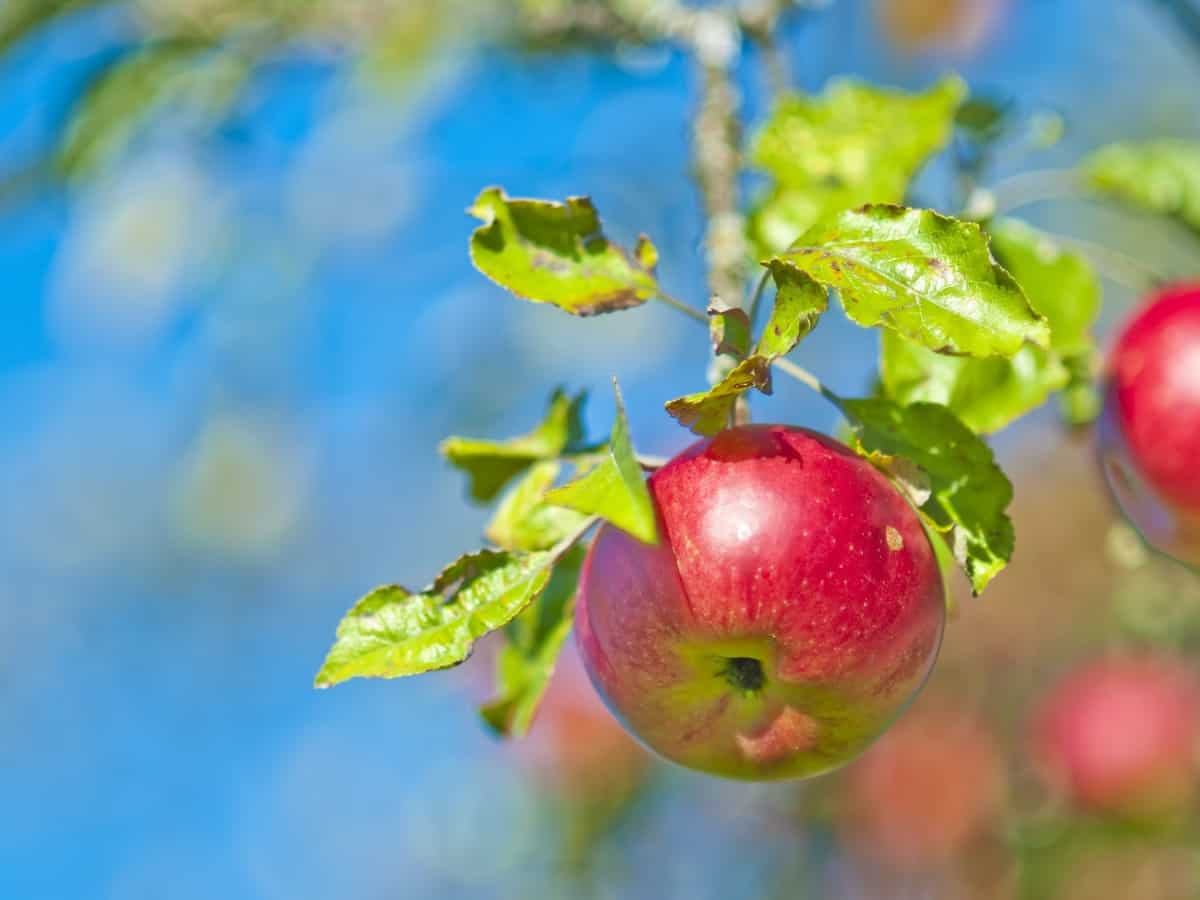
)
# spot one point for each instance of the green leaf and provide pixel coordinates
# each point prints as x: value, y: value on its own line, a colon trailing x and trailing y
x: 729, y: 327
x: 524, y: 521
x: 799, y: 302
x: 855, y: 144
x: 1160, y: 176
x: 707, y: 412
x: 534, y: 640
x: 1059, y: 284
x: 988, y: 394
x: 490, y: 465
x: 21, y: 18
x: 556, y: 253
x: 968, y: 493
x: 615, y: 489
x: 186, y: 75
x: 393, y: 632
x: 927, y: 276
x: 946, y: 563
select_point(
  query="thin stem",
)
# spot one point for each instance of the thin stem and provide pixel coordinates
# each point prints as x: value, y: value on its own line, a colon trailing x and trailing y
x: 758, y: 292
x: 690, y: 311
x: 1186, y: 18
x: 651, y: 463
x: 1028, y: 188
x: 559, y: 549
x: 1114, y: 265
x: 802, y: 375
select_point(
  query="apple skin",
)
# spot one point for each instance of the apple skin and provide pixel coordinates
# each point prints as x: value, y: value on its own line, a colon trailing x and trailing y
x: 1150, y: 428
x: 1120, y: 736
x: 790, y: 610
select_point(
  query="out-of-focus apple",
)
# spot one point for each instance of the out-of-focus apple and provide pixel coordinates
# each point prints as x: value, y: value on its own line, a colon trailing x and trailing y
x: 1150, y: 429
x: 930, y: 786
x: 575, y: 746
x: 956, y: 25
x: 1120, y: 736
x: 790, y: 610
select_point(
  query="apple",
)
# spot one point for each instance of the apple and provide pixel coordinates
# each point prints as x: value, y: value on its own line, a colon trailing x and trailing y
x: 1150, y: 428
x: 931, y: 785
x: 1120, y: 736
x: 790, y: 610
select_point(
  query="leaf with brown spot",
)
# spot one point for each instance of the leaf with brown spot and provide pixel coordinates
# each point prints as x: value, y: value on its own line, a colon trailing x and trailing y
x: 799, y: 302
x: 557, y: 253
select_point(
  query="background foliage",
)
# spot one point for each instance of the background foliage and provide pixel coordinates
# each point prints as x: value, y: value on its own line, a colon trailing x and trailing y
x: 241, y: 319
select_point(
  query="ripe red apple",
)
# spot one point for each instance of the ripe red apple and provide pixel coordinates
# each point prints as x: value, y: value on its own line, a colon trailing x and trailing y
x: 790, y: 609
x: 1150, y: 430
x: 1121, y: 736
x: 931, y: 785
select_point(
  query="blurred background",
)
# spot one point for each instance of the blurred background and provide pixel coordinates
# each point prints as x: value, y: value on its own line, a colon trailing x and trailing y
x: 241, y: 316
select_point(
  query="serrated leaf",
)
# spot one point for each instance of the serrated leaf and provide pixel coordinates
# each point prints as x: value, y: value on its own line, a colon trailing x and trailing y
x: 1160, y: 176
x: 490, y: 465
x: 556, y: 253
x: 533, y: 642
x: 988, y: 394
x: 524, y: 521
x: 968, y: 492
x: 799, y: 302
x: 615, y: 489
x: 855, y: 144
x: 393, y: 632
x: 927, y: 276
x: 729, y: 327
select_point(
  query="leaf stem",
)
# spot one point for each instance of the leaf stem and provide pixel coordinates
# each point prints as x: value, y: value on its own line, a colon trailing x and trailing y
x: 802, y: 375
x: 1027, y: 188
x: 758, y: 292
x: 560, y: 549
x: 1115, y: 265
x: 676, y: 303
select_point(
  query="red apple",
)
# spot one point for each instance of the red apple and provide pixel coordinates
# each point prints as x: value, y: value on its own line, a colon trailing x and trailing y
x: 790, y: 609
x: 919, y: 796
x: 1121, y: 736
x: 1150, y: 430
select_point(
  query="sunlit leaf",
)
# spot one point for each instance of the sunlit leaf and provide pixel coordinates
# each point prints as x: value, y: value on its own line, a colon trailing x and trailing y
x: 1160, y: 176
x: 615, y: 489
x: 533, y: 642
x: 393, y: 632
x: 927, y: 276
x: 524, y: 521
x: 556, y: 253
x: 854, y: 144
x: 968, y: 493
x: 799, y: 302
x: 988, y: 394
x: 490, y: 465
